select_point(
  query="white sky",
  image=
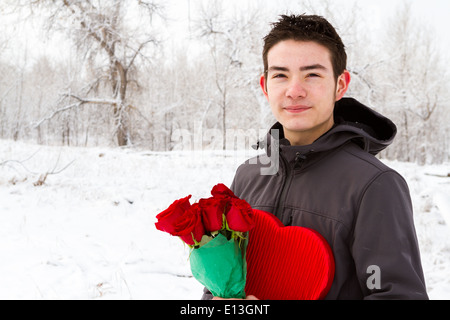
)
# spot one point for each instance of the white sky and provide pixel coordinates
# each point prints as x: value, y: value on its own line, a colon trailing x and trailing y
x: 435, y: 13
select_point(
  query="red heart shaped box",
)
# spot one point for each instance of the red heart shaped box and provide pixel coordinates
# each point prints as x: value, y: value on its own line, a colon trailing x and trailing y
x: 287, y: 263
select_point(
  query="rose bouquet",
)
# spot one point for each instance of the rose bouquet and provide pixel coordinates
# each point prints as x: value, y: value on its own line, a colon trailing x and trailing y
x: 216, y: 230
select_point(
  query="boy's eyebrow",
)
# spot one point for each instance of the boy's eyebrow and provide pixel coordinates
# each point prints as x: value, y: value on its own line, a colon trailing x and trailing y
x: 275, y: 68
x: 312, y: 67
x: 304, y: 68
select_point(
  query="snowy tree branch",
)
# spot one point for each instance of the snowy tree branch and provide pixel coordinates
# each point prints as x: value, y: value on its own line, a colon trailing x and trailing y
x: 81, y: 101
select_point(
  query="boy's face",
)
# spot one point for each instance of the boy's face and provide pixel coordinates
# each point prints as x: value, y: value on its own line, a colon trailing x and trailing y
x: 302, y: 89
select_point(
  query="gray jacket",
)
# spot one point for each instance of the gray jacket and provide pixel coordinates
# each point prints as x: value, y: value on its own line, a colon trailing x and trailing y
x: 337, y: 187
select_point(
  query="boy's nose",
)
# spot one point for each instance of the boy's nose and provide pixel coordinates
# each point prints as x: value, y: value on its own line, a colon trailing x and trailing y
x: 295, y: 90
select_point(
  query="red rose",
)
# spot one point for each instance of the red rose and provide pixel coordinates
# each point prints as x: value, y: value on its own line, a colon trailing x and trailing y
x: 167, y: 218
x: 240, y: 215
x: 222, y: 191
x: 212, y: 211
x: 190, y: 225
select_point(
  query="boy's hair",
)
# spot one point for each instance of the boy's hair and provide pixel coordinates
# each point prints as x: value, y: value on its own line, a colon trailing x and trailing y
x: 307, y: 28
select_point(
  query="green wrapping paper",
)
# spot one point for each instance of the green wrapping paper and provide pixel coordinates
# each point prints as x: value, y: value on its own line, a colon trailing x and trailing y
x: 221, y: 267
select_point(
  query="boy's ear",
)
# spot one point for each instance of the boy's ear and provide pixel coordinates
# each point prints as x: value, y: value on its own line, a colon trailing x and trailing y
x: 342, y: 84
x: 263, y: 84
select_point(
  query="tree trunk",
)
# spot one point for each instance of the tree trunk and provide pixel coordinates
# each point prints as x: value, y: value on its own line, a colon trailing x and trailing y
x: 120, y: 112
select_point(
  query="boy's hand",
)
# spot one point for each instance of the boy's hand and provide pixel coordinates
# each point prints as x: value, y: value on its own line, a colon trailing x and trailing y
x: 250, y: 297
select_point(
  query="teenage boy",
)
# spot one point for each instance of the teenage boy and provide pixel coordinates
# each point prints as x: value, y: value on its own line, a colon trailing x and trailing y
x: 328, y: 178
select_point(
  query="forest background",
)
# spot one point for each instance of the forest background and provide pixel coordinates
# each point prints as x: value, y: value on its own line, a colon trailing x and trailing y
x: 180, y: 75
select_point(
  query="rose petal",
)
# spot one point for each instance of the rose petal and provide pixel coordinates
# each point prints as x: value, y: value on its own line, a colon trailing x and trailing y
x: 167, y: 218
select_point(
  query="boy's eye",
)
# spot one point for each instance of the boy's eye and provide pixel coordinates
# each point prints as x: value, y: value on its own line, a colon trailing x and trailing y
x: 312, y: 75
x: 279, y: 76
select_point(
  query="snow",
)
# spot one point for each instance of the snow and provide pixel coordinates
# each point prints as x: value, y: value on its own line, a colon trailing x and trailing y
x: 88, y: 231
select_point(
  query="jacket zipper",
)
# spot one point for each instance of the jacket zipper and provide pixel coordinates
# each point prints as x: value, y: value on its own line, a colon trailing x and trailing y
x: 288, y: 171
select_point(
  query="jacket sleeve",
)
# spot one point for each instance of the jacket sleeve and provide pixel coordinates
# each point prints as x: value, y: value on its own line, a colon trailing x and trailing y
x: 207, y: 295
x: 385, y: 247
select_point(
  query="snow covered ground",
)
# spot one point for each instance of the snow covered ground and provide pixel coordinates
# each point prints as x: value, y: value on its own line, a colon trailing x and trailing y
x: 88, y: 231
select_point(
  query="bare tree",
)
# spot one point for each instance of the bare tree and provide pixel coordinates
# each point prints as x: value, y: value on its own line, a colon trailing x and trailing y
x: 411, y: 83
x: 233, y: 40
x: 107, y: 34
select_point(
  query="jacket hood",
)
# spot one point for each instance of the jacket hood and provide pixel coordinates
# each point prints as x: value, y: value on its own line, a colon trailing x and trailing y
x: 354, y: 122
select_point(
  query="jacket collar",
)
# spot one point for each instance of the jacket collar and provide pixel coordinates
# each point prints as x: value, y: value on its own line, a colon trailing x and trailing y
x: 354, y: 122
